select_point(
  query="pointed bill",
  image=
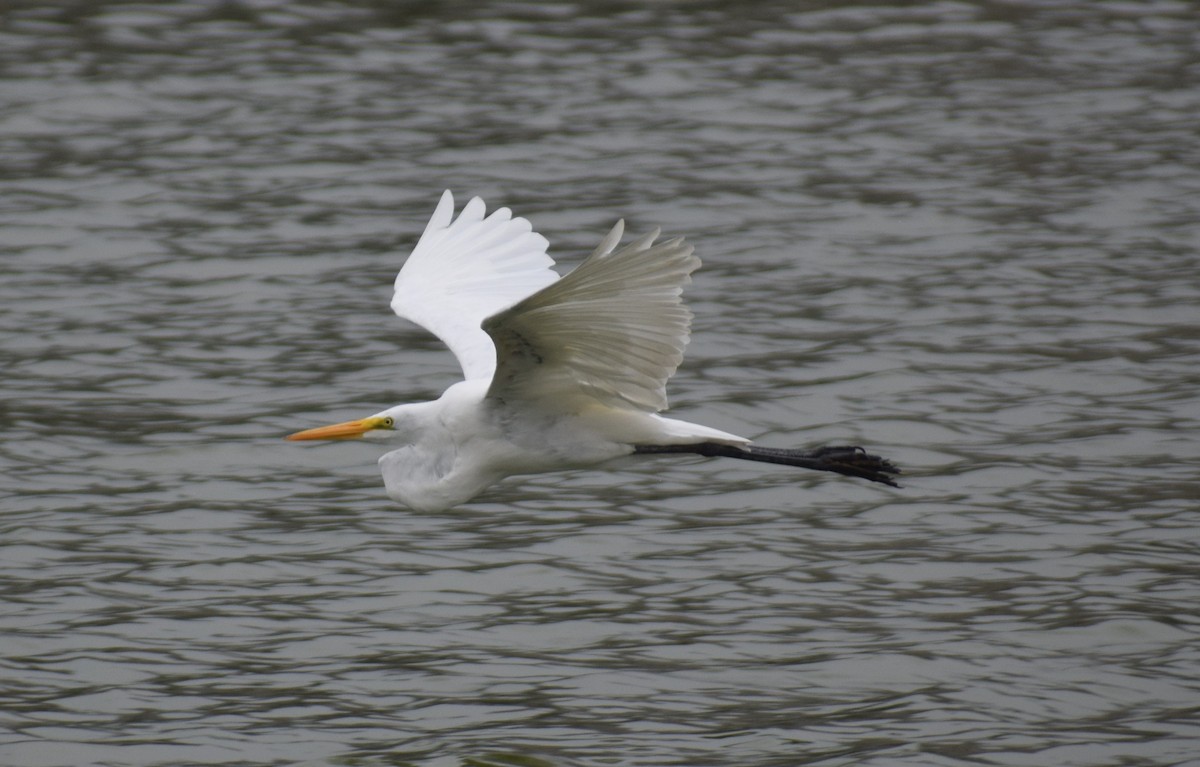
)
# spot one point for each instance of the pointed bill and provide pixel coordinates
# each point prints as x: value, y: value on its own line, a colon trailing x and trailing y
x: 344, y: 430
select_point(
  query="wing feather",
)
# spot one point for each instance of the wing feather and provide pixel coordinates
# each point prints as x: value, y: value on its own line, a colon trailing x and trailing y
x: 613, y: 330
x: 466, y: 269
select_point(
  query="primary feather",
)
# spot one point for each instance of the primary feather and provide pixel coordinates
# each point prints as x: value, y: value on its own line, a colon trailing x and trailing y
x: 466, y: 269
x: 613, y: 330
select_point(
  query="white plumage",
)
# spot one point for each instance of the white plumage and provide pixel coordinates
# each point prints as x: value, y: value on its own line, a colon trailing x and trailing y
x: 559, y: 373
x: 466, y: 269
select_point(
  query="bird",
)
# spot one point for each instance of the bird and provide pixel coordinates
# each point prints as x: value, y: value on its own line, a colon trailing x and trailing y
x: 558, y: 372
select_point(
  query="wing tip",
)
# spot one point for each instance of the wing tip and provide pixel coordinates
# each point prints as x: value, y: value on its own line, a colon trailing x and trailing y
x: 442, y: 214
x: 473, y: 211
x: 610, y: 241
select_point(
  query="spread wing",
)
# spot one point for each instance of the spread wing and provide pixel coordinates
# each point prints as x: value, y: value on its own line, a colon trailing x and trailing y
x: 466, y: 269
x: 612, y: 331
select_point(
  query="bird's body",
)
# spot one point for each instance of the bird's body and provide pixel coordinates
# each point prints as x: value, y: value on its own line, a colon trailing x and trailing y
x: 456, y: 446
x: 559, y: 373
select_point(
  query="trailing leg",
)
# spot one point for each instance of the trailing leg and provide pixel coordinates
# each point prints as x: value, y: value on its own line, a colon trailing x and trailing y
x: 848, y: 460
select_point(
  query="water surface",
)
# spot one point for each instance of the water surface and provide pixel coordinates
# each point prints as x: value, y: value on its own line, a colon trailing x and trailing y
x: 963, y: 234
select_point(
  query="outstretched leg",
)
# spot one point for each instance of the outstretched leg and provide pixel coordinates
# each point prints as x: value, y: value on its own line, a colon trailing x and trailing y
x: 851, y: 461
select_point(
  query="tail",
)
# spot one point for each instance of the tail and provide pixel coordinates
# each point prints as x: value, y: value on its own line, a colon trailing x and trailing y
x: 851, y: 461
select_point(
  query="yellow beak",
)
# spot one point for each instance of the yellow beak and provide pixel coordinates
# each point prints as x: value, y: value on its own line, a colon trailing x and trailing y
x: 346, y: 430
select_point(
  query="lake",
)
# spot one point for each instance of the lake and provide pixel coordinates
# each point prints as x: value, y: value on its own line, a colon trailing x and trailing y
x: 961, y: 234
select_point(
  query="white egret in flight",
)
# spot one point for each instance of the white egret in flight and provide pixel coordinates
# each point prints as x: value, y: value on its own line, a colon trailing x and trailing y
x: 559, y: 373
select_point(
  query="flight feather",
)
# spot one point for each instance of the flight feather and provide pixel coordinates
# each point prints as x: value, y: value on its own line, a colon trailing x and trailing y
x: 613, y: 330
x: 466, y: 269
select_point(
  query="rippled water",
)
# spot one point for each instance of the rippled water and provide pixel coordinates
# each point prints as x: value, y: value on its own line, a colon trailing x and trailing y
x: 963, y: 234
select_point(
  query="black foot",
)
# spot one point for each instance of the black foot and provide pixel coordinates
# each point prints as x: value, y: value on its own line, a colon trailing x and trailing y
x: 854, y: 461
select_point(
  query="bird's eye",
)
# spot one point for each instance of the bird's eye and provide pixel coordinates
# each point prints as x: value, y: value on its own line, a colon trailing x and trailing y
x: 389, y: 422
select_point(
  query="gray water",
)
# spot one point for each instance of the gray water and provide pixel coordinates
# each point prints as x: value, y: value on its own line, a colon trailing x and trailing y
x: 963, y: 234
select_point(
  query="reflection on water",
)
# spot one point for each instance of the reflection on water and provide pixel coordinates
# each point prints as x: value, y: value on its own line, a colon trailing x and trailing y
x: 962, y: 234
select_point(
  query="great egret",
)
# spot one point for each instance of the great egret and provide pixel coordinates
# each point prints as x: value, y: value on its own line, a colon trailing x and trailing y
x: 559, y: 373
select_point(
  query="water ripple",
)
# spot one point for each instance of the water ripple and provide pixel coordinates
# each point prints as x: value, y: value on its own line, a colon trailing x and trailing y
x: 963, y: 234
